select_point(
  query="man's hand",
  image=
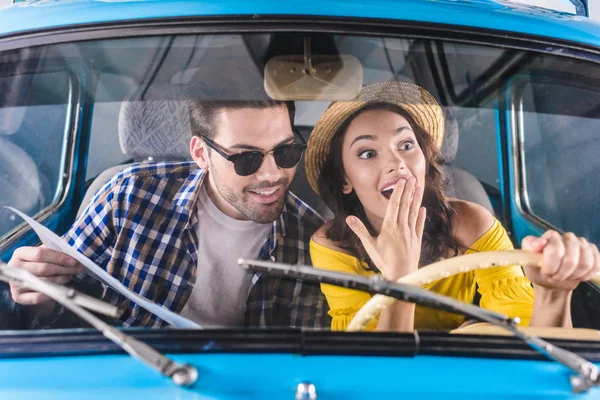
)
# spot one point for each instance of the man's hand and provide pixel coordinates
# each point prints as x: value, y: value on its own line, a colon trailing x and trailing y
x: 44, y: 263
x: 567, y: 261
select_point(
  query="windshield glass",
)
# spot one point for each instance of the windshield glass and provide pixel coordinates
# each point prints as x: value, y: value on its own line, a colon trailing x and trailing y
x: 95, y: 141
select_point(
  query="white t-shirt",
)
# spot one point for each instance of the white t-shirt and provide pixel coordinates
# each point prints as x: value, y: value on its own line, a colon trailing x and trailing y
x: 221, y: 288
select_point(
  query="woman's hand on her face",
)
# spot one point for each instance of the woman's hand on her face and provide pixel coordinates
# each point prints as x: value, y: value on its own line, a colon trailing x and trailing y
x: 567, y: 260
x: 397, y: 248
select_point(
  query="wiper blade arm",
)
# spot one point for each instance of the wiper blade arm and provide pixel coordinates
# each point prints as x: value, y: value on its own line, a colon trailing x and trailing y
x: 23, y: 278
x: 376, y: 284
x: 588, y: 374
x: 181, y: 374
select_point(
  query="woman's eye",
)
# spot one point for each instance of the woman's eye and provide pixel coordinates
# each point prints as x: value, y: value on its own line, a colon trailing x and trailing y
x: 406, y: 145
x: 366, y: 154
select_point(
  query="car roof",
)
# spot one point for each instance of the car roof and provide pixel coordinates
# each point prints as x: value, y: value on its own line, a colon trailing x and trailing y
x: 487, y: 14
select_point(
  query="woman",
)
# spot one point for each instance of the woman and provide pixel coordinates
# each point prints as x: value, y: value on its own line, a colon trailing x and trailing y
x: 375, y: 163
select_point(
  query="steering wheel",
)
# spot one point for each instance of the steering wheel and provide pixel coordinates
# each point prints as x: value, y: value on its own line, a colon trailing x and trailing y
x: 444, y: 269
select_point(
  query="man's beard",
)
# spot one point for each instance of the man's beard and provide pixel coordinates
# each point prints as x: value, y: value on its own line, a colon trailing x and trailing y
x: 259, y: 213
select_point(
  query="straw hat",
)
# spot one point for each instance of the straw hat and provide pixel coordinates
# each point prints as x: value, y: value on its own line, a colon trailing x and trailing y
x: 418, y: 102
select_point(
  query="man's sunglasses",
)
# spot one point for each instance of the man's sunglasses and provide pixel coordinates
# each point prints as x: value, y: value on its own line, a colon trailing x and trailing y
x: 248, y: 162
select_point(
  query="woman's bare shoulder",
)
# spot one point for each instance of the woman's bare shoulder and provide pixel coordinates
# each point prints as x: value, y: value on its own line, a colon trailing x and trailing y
x: 469, y: 222
x: 320, y: 238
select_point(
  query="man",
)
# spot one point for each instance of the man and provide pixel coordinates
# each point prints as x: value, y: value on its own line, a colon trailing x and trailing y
x: 173, y: 232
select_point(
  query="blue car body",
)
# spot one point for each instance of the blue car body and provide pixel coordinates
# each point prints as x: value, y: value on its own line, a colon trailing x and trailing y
x: 39, y: 16
x: 87, y: 366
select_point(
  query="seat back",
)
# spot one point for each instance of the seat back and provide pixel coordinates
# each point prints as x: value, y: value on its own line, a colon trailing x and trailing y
x: 461, y: 184
x: 301, y: 187
x: 154, y: 130
x: 19, y: 174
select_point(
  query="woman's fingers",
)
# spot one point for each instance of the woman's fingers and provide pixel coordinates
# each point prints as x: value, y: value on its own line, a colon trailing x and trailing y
x: 570, y: 260
x: 393, y: 207
x: 415, y: 207
x: 586, y: 260
x: 552, y: 254
x: 567, y: 259
x: 366, y: 239
x: 533, y: 244
x: 361, y: 231
x: 420, y: 224
x: 595, y: 271
x: 403, y: 206
x: 405, y: 202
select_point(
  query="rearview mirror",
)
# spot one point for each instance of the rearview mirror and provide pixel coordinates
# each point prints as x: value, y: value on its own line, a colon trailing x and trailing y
x: 318, y: 77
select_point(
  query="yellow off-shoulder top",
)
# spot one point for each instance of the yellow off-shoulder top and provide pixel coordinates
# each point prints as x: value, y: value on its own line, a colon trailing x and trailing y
x: 504, y: 289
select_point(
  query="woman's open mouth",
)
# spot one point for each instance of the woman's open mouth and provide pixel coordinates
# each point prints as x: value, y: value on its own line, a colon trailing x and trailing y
x: 387, y: 192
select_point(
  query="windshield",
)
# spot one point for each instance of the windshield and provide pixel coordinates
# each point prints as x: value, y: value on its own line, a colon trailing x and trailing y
x: 519, y: 138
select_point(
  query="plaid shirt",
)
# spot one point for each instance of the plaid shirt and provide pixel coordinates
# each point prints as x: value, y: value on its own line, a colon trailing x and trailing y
x: 141, y: 228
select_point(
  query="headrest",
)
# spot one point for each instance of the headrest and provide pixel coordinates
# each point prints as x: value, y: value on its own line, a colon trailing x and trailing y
x: 19, y: 172
x: 14, y: 91
x: 11, y: 119
x: 156, y: 128
x: 450, y: 143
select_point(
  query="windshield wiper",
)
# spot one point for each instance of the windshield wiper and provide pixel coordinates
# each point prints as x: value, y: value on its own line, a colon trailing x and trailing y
x: 17, y: 275
x: 587, y: 374
x: 181, y: 374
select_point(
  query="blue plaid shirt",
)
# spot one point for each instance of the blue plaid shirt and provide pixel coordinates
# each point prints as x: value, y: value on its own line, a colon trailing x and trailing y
x: 141, y: 228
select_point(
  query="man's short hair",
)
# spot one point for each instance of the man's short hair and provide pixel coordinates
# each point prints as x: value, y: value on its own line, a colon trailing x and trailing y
x: 202, y: 112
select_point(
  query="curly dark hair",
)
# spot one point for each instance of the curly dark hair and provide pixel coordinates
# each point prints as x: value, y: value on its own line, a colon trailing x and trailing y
x: 437, y: 235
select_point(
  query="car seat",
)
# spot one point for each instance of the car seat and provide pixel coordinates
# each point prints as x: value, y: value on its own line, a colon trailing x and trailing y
x: 151, y: 130
x: 461, y: 184
x: 19, y: 175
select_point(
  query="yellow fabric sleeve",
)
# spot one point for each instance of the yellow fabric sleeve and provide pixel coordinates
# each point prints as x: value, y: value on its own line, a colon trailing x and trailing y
x: 343, y: 303
x: 503, y: 289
